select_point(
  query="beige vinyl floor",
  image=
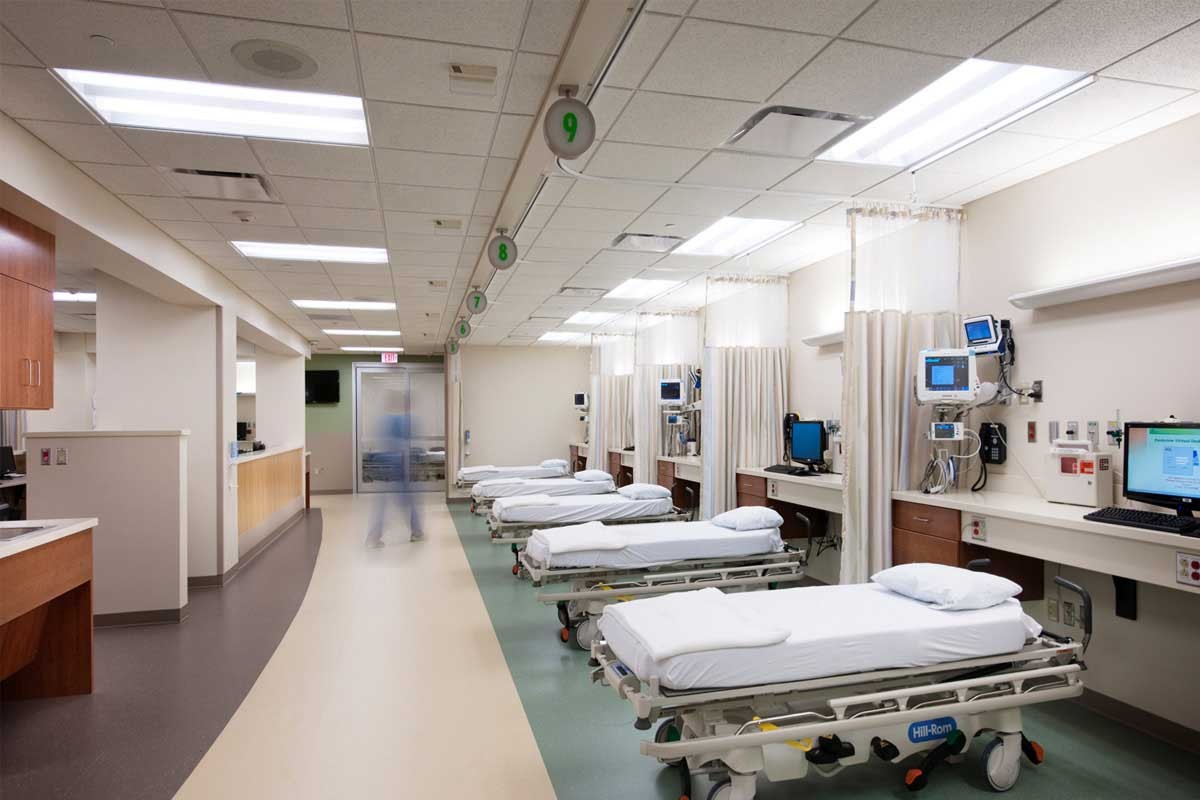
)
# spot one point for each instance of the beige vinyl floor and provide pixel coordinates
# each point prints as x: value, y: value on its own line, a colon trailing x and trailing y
x: 390, y: 682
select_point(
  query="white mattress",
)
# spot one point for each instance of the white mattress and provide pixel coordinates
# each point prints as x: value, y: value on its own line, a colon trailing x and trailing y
x: 528, y: 471
x: 582, y: 508
x: 651, y: 543
x: 836, y: 630
x: 555, y: 487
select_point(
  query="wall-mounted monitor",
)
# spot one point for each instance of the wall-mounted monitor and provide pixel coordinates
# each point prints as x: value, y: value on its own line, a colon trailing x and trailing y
x: 321, y: 386
x: 670, y: 392
x: 581, y: 401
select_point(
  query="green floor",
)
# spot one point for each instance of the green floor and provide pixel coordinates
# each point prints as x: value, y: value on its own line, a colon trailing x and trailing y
x: 590, y: 747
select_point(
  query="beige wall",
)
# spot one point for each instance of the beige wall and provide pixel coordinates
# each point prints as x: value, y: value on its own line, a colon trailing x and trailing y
x: 279, y: 402
x: 74, y: 385
x: 517, y: 402
x: 817, y: 298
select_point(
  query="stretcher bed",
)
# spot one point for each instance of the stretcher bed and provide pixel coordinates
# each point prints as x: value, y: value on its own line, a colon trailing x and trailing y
x: 484, y: 493
x: 860, y: 672
x: 469, y: 476
x: 649, y: 560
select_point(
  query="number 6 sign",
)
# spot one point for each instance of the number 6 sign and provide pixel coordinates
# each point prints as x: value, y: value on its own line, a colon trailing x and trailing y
x: 569, y: 127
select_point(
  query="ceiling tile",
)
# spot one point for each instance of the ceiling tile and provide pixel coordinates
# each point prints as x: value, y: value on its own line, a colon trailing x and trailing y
x: 827, y: 17
x: 426, y: 70
x: 334, y: 194
x: 198, y: 231
x: 429, y: 169
x: 487, y: 203
x: 561, y: 254
x: 961, y: 28
x: 928, y: 186
x: 1171, y: 61
x: 530, y: 77
x: 302, y: 12
x: 612, y: 195
x: 402, y: 257
x: 511, y: 135
x: 345, y: 238
x: 814, y: 243
x: 488, y: 23
x: 1105, y: 104
x: 239, y: 232
x: 548, y: 25
x: 426, y: 199
x: 574, y: 240
x: 307, y: 160
x: 58, y: 32
x: 436, y: 130
x: 223, y: 211
x: 783, y: 207
x: 424, y: 244
x: 701, y: 202
x: 129, y: 180
x: 997, y: 153
x: 94, y: 143
x: 33, y: 93
x: 649, y: 36
x: 212, y: 249
x: 163, y: 208
x: 191, y: 150
x: 826, y: 177
x: 1060, y: 158
x: 676, y: 7
x: 653, y: 118
x: 422, y: 223
x: 213, y: 39
x: 497, y: 173
x: 670, y: 224
x: 13, y: 52
x: 590, y: 219
x: 743, y: 170
x: 1088, y: 35
x: 864, y: 79
x: 350, y: 219
x: 553, y: 190
x: 715, y: 59
x: 620, y: 160
x: 1152, y: 121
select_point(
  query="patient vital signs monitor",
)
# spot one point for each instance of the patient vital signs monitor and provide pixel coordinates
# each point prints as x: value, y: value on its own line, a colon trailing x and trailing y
x: 1162, y: 464
x: 670, y: 392
x: 947, y: 376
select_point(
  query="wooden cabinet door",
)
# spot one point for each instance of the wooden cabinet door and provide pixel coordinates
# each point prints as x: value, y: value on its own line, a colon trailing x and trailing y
x: 26, y: 252
x: 41, y: 348
x: 911, y: 548
x: 16, y: 366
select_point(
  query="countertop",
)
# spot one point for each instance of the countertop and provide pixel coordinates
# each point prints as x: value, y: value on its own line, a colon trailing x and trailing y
x: 691, y: 461
x: 102, y: 434
x: 270, y: 451
x: 57, y: 529
x: 825, y: 480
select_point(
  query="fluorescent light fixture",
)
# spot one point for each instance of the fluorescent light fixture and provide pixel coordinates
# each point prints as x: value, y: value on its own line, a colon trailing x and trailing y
x: 344, y: 332
x: 351, y: 305
x: 640, y: 289
x: 735, y: 236
x: 560, y: 336
x: 591, y: 317
x: 373, y: 349
x: 75, y: 297
x: 1187, y: 269
x: 203, y: 107
x: 970, y: 101
x: 312, y: 252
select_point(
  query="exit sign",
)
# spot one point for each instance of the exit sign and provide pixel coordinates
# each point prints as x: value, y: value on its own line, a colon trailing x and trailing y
x: 390, y: 358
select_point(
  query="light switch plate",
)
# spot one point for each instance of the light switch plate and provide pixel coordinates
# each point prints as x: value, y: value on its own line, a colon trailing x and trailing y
x: 60, y: 456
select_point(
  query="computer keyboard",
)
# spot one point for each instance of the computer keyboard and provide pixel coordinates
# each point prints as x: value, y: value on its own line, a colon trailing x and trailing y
x: 1133, y: 518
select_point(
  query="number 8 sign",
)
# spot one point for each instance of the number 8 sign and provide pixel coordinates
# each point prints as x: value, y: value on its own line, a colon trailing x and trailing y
x: 502, y: 252
x: 569, y: 127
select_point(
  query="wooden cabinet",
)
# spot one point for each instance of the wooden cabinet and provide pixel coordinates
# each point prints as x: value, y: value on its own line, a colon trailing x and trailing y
x: 751, y: 491
x: 578, y: 460
x: 614, y: 466
x: 26, y: 252
x: 26, y: 315
x: 666, y: 474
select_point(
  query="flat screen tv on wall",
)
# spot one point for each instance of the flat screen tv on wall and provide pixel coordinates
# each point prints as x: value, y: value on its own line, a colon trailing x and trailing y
x: 321, y: 386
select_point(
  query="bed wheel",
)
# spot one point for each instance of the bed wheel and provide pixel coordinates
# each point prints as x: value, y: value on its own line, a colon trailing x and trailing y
x: 1032, y: 750
x: 721, y: 791
x: 564, y: 616
x: 668, y: 732
x: 564, y: 634
x: 999, y: 767
x: 585, y: 633
x: 516, y: 570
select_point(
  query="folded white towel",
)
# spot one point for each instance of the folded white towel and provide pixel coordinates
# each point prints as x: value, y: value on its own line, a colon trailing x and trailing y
x: 692, y: 622
x: 578, y: 538
x: 523, y: 500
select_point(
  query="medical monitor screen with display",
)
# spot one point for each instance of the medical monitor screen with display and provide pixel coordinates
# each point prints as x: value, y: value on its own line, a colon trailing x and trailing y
x: 980, y: 331
x: 947, y: 374
x: 670, y: 391
x: 808, y: 441
x: 1162, y: 463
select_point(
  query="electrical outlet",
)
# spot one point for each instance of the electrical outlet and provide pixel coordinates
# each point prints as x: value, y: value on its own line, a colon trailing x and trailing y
x: 60, y: 456
x: 1052, y: 608
x: 1093, y: 433
x: 1023, y: 390
x: 1115, y: 432
x: 1035, y: 392
x: 1068, y: 614
x: 1073, y: 429
x: 978, y: 529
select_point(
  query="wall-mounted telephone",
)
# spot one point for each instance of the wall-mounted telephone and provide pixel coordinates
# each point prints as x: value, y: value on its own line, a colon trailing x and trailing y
x: 993, y: 447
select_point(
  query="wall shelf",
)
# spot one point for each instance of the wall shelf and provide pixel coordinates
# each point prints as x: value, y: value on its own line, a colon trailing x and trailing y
x: 1187, y: 269
x: 824, y: 339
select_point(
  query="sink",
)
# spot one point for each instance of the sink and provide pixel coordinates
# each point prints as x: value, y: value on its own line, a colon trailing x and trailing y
x: 7, y: 534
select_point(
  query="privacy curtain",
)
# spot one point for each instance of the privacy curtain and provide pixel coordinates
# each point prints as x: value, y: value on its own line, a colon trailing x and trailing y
x: 454, y: 400
x: 610, y: 417
x: 12, y: 429
x: 903, y: 296
x: 745, y: 380
x: 667, y: 346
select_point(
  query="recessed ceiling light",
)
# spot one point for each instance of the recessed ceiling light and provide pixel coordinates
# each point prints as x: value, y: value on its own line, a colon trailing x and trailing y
x: 734, y: 236
x: 373, y: 349
x: 345, y: 332
x: 560, y: 336
x: 968, y: 102
x: 353, y: 305
x: 640, y: 289
x: 312, y: 252
x: 591, y: 317
x: 203, y: 107
x: 75, y: 297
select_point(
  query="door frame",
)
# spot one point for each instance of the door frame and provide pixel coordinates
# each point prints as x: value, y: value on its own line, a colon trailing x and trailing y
x: 375, y: 367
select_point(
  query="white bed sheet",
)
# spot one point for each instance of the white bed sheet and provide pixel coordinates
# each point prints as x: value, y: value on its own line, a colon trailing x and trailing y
x: 649, y: 544
x: 555, y: 487
x: 581, y: 508
x: 835, y: 630
x: 528, y: 471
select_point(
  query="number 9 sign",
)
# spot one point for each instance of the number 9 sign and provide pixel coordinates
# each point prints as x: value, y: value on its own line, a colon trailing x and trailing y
x: 569, y: 127
x: 502, y: 252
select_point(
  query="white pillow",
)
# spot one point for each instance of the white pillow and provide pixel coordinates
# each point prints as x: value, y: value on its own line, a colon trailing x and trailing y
x: 554, y: 463
x: 644, y: 491
x: 592, y: 475
x: 749, y: 518
x: 947, y: 588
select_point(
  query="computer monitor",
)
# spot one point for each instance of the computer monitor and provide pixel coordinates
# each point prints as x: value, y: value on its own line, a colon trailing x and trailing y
x: 8, y: 462
x: 670, y: 392
x: 808, y: 442
x: 243, y: 430
x: 581, y: 401
x: 1162, y: 464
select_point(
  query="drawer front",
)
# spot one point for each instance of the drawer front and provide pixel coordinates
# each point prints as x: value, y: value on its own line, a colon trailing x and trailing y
x: 666, y: 474
x: 930, y: 520
x: 909, y: 547
x: 689, y: 472
x: 752, y: 484
x: 750, y: 500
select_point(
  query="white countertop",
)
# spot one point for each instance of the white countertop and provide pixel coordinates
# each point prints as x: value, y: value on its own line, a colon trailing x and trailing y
x: 693, y: 461
x: 54, y: 529
x: 10, y: 482
x: 257, y: 454
x: 102, y: 434
x: 826, y: 480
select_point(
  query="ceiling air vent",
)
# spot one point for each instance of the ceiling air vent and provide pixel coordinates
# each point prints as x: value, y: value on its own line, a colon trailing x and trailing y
x: 796, y: 132
x: 581, y: 291
x: 220, y: 185
x: 646, y: 242
x: 448, y: 224
x: 479, y: 79
x: 439, y: 284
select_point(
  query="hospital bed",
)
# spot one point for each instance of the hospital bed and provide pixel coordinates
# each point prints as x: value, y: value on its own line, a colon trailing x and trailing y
x: 612, y: 565
x: 484, y: 493
x: 863, y: 672
x: 551, y: 468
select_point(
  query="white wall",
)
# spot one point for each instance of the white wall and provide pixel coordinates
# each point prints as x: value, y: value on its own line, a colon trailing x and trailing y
x: 1133, y: 205
x: 158, y: 370
x: 817, y: 300
x: 279, y: 403
x: 74, y: 385
x: 517, y: 402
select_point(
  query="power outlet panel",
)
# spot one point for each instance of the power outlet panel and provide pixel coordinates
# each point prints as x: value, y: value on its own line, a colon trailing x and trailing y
x: 1188, y: 570
x: 1052, y: 608
x: 1068, y: 613
x: 1031, y: 431
x: 978, y: 529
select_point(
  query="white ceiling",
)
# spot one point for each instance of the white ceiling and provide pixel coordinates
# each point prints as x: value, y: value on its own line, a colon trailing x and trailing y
x: 690, y: 73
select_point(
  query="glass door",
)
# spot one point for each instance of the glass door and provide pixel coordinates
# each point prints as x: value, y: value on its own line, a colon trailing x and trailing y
x: 400, y: 428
